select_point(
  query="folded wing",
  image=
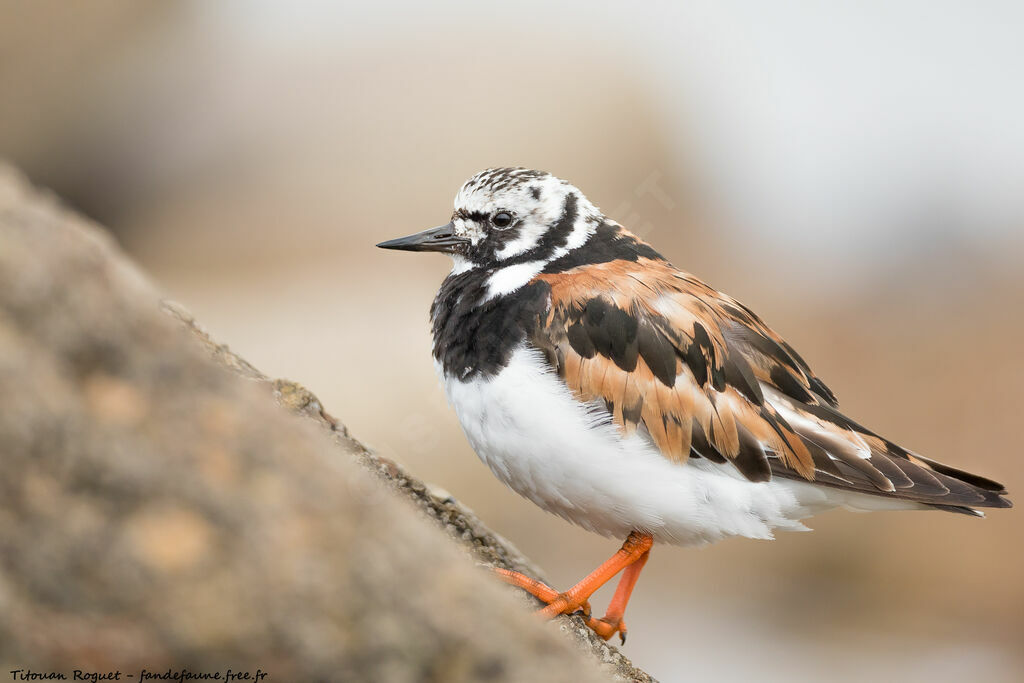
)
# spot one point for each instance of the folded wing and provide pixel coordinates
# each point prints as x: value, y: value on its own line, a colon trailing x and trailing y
x: 702, y: 376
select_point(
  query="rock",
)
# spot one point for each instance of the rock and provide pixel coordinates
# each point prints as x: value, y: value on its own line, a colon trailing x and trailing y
x: 159, y: 511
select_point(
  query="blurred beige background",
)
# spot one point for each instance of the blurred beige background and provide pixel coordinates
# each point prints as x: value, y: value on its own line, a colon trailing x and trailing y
x: 855, y: 173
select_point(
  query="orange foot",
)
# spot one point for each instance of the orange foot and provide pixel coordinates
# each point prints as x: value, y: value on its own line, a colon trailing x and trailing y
x: 606, y: 628
x: 631, y: 558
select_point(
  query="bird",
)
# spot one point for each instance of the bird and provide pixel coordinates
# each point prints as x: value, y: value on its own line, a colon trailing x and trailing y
x: 636, y: 401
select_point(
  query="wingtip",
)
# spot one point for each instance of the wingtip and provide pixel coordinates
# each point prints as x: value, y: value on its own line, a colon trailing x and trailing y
x: 994, y: 500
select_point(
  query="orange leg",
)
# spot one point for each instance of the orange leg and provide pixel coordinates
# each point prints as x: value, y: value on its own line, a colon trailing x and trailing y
x: 631, y: 556
x: 612, y: 623
x: 537, y: 589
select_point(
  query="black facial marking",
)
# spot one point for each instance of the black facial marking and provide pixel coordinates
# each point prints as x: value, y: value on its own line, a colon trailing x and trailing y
x: 554, y: 237
x: 535, y: 193
x: 473, y: 338
x: 558, y: 235
x: 475, y: 216
x: 606, y: 244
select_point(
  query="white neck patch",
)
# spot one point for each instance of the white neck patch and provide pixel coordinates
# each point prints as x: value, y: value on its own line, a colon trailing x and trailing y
x: 510, y: 278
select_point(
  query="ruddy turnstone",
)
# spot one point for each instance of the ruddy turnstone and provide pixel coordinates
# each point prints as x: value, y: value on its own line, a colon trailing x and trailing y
x: 632, y: 399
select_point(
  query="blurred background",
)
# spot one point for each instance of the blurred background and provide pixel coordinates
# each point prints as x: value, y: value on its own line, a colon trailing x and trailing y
x: 852, y: 171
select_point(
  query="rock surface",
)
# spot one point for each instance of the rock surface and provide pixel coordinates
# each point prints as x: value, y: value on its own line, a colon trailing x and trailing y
x: 160, y: 512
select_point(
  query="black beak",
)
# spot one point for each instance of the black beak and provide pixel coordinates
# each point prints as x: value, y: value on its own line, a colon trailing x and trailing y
x: 441, y: 238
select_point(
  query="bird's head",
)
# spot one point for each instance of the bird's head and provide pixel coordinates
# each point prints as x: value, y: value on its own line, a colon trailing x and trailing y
x: 507, y: 216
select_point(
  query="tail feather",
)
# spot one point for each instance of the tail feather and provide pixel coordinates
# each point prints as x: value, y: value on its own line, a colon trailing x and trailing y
x: 849, y: 456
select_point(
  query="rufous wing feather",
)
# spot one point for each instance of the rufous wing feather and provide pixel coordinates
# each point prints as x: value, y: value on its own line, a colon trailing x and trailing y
x: 701, y: 375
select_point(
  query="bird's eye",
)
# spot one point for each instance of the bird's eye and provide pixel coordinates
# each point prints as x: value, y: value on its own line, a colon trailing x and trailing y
x: 501, y: 220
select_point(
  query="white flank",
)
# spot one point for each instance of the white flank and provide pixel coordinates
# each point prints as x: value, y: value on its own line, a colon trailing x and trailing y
x: 572, y: 461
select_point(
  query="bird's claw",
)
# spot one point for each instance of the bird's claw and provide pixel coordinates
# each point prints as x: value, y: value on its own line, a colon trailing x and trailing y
x: 583, y: 610
x: 606, y: 628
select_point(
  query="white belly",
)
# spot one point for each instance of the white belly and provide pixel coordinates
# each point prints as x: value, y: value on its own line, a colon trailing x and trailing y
x: 545, y: 445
